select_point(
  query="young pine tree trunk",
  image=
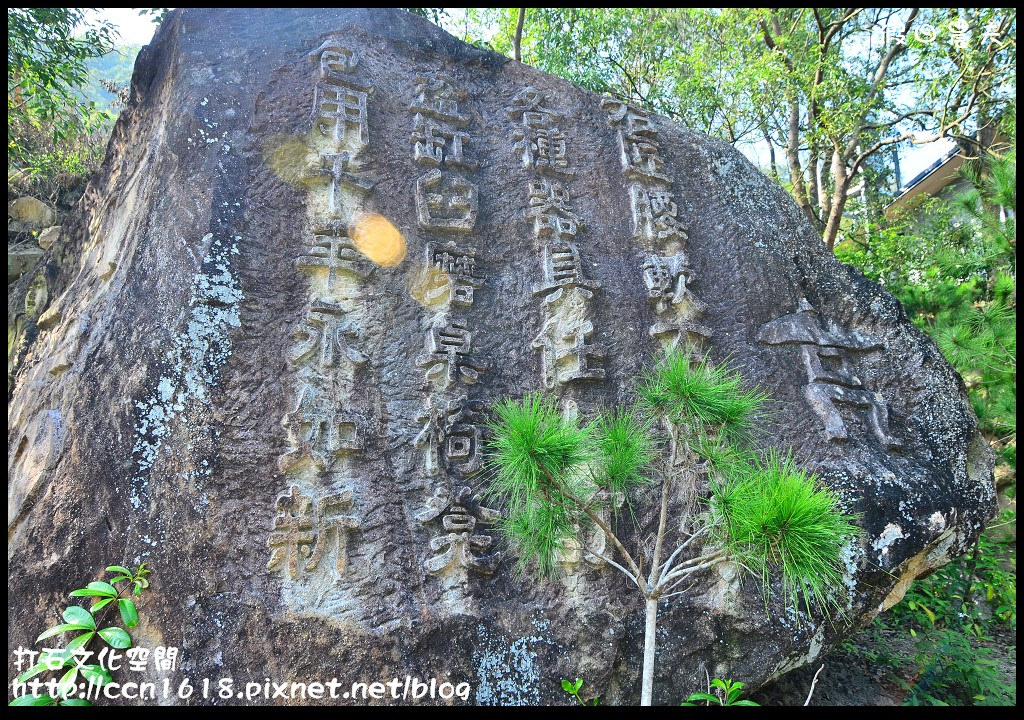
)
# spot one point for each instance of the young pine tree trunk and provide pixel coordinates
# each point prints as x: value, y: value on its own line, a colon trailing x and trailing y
x: 647, y: 691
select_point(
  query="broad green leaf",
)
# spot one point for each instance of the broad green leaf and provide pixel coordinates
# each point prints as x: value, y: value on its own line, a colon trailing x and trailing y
x: 96, y: 589
x: 57, y: 630
x: 119, y: 569
x: 128, y: 612
x: 33, y: 700
x: 82, y: 702
x: 116, y: 637
x: 79, y: 616
x: 105, y: 587
x: 67, y: 683
x: 100, y: 604
x: 567, y: 686
x: 32, y: 672
x: 96, y: 674
x: 119, y: 578
x: 695, y: 697
x: 80, y: 641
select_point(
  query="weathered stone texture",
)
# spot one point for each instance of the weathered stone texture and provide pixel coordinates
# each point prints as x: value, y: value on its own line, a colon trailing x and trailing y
x: 321, y: 244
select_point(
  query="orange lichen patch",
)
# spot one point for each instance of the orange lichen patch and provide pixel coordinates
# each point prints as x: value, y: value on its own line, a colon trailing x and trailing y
x: 376, y: 238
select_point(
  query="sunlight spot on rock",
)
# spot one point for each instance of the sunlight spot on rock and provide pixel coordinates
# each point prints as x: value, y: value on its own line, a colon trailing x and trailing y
x: 289, y: 157
x: 376, y: 238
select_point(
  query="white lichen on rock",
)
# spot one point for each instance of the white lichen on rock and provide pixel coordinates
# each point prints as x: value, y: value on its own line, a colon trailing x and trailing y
x: 197, y: 356
x: 507, y: 673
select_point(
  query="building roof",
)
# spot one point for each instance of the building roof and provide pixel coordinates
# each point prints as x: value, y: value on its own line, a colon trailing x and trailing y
x: 929, y: 181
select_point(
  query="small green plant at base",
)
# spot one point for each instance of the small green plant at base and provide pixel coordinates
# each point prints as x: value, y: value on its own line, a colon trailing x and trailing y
x: 952, y: 615
x: 953, y: 671
x: 561, y: 480
x: 119, y: 592
x: 727, y: 693
x: 573, y: 689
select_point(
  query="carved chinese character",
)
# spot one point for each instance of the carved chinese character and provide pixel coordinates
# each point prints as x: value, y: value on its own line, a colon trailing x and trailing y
x: 563, y: 269
x: 447, y: 355
x: 539, y: 138
x: 529, y: 107
x: 339, y: 107
x: 547, y: 150
x: 337, y: 167
x: 334, y: 252
x: 340, y: 114
x: 566, y: 353
x: 327, y: 335
x: 452, y: 436
x: 666, y: 278
x: 438, y: 97
x: 318, y: 431
x: 435, y: 144
x: 829, y: 373
x: 550, y: 212
x: 298, y: 534
x: 654, y: 216
x: 446, y: 202
x: 457, y: 549
x: 451, y: 275
x: 638, y: 141
x: 671, y: 333
x: 336, y: 61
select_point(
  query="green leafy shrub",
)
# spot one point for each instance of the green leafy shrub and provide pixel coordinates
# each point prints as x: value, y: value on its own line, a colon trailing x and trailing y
x: 86, y: 627
x: 727, y: 694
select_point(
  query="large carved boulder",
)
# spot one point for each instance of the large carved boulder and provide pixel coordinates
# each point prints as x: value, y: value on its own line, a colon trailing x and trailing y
x: 322, y: 243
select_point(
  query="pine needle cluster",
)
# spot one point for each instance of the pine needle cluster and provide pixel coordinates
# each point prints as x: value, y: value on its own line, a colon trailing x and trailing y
x: 554, y: 473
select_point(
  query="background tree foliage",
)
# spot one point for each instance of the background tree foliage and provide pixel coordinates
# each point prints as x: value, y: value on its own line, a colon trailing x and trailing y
x: 55, y: 136
x: 827, y: 88
x: 953, y: 265
x: 46, y: 67
x: 67, y: 80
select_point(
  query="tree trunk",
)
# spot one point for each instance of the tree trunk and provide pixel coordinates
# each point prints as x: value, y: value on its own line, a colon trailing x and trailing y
x: 835, y: 217
x: 517, y: 43
x: 841, y: 180
x: 647, y: 692
x: 771, y: 156
x: 796, y: 173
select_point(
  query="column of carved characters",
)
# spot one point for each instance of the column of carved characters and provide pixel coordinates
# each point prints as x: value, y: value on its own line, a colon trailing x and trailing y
x: 447, y: 203
x: 328, y: 336
x: 564, y: 340
x: 666, y: 272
